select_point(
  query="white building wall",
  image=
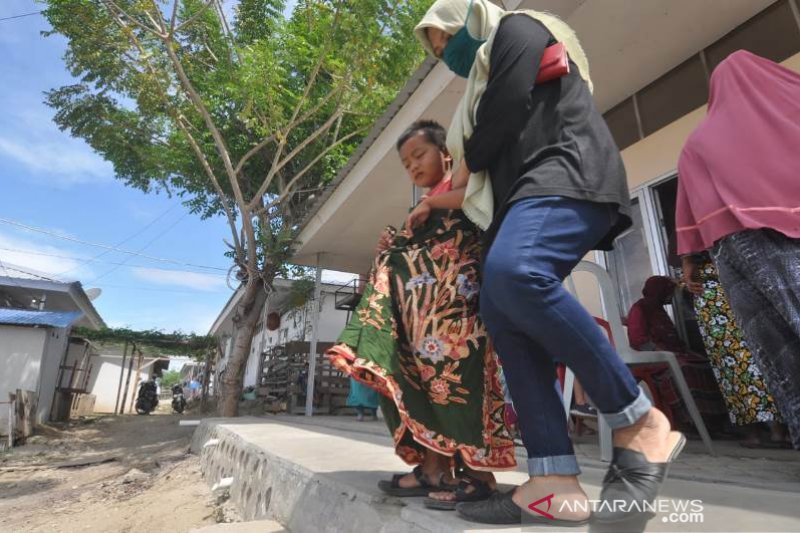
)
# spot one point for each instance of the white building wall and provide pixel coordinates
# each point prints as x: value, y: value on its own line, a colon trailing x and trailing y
x: 296, y: 326
x: 21, y: 350
x: 104, y: 382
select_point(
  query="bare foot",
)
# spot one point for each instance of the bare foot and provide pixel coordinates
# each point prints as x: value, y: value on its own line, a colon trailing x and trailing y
x: 650, y: 435
x: 559, y: 496
x: 434, y: 478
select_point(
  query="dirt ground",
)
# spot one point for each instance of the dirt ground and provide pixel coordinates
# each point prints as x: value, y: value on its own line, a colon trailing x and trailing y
x: 139, y: 477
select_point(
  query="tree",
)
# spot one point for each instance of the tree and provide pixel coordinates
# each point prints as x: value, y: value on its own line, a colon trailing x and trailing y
x: 247, y: 119
x: 169, y: 378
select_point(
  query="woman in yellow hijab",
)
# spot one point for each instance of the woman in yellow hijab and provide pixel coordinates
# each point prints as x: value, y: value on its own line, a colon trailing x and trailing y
x: 544, y: 178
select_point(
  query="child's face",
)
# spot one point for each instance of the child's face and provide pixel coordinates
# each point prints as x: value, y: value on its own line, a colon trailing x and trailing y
x: 423, y: 161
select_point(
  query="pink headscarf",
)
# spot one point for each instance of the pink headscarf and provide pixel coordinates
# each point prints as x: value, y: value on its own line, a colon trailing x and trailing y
x: 740, y: 169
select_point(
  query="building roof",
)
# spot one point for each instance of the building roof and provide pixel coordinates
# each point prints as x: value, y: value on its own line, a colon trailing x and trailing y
x: 61, y: 297
x: 279, y: 301
x: 24, y: 317
x: 629, y: 45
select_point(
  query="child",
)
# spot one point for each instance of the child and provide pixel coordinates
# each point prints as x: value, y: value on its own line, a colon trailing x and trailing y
x: 416, y: 338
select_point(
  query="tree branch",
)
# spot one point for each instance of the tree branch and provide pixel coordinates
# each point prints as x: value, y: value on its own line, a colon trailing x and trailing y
x: 284, y: 132
x: 222, y: 151
x: 113, y: 7
x: 226, y: 31
x: 288, y: 190
x: 154, y: 22
x: 277, y: 166
x: 174, y: 17
x: 183, y: 125
x: 193, y: 17
x: 215, y: 182
x: 195, y: 98
x: 253, y: 151
x: 314, y: 73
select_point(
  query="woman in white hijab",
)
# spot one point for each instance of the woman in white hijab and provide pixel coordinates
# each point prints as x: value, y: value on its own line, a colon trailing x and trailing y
x: 545, y: 179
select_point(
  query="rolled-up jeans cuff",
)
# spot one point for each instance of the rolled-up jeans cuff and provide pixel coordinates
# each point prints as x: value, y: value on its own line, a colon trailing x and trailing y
x: 630, y: 414
x: 561, y: 465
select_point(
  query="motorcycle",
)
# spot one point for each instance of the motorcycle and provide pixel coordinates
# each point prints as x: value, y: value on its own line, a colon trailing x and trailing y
x: 147, y: 399
x: 178, y: 400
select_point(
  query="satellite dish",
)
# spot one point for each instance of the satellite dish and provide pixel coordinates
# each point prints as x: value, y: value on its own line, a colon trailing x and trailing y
x: 93, y: 293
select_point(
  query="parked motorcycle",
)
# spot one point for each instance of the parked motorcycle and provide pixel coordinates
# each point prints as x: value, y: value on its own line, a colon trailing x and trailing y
x: 147, y: 399
x: 178, y: 400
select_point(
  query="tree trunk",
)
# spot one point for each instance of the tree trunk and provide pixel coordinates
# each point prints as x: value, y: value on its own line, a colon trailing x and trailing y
x: 244, y: 321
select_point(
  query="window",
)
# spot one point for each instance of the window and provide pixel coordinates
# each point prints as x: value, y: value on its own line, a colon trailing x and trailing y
x: 629, y: 263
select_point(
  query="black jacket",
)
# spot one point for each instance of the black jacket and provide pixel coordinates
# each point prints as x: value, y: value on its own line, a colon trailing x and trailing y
x: 545, y: 140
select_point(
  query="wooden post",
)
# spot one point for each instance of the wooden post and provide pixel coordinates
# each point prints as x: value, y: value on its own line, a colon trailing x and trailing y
x: 127, y: 381
x: 312, y: 356
x: 72, y: 374
x: 138, y: 370
x: 121, y: 374
x: 206, y: 382
x: 12, y: 414
x: 86, y: 378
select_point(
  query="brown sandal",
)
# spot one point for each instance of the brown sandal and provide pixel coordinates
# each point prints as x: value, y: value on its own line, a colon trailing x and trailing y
x: 482, y: 491
x: 425, y: 487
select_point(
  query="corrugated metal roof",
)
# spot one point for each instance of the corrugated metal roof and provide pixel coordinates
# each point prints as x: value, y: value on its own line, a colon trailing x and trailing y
x: 25, y: 317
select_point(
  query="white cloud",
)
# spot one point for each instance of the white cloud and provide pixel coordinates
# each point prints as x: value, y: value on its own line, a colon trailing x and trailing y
x: 65, y: 161
x: 29, y: 136
x: 41, y: 258
x: 181, y: 278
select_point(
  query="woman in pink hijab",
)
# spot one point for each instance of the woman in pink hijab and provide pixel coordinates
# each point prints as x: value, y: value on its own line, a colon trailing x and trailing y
x: 739, y: 198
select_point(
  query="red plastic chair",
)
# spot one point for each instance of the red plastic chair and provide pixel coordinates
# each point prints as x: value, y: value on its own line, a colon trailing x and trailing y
x: 643, y: 373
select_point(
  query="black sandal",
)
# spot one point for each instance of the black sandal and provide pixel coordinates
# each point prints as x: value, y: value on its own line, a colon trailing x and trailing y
x: 633, y: 479
x: 482, y: 491
x: 425, y: 487
x: 500, y: 509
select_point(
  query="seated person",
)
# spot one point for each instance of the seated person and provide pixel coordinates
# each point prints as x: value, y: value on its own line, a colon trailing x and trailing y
x: 651, y: 329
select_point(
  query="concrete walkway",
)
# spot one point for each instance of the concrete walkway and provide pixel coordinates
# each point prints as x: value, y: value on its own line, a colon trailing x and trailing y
x: 320, y: 474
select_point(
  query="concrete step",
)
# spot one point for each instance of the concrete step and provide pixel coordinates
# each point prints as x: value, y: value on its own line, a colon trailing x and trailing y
x: 255, y: 526
x: 317, y: 477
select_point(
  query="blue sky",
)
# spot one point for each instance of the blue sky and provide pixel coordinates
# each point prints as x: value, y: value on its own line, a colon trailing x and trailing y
x: 52, y: 181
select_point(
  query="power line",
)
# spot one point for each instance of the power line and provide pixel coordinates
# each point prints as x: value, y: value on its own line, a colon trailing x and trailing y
x: 123, y: 241
x: 20, y: 16
x: 107, y: 247
x: 7, y: 268
x: 14, y: 282
x: 72, y: 257
x: 148, y: 243
x: 135, y: 288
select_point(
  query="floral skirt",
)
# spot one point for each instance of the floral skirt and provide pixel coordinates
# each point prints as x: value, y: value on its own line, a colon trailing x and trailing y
x: 737, y: 373
x: 416, y: 338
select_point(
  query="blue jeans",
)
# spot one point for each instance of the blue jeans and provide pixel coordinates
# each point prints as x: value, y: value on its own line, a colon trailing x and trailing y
x: 535, y: 323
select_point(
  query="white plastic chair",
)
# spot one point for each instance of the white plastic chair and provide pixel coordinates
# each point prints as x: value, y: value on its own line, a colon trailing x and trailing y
x: 631, y: 357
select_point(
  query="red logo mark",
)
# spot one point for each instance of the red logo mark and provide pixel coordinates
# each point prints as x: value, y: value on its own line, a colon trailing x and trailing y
x: 548, y: 499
